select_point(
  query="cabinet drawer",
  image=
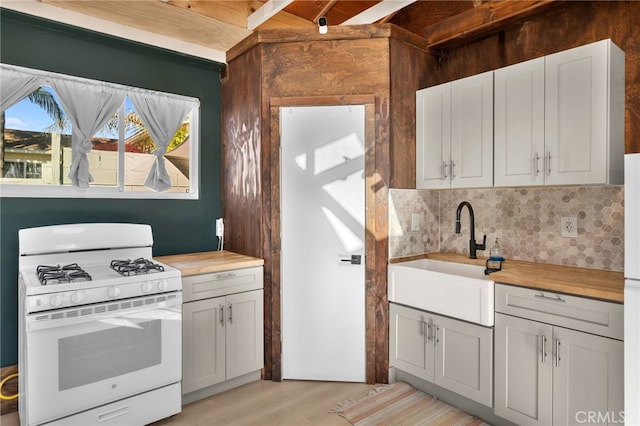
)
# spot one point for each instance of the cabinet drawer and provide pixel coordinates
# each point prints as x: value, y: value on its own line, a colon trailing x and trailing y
x: 196, y: 287
x: 578, y: 313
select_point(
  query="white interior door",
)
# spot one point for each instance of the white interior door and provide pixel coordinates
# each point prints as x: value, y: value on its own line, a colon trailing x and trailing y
x: 322, y: 222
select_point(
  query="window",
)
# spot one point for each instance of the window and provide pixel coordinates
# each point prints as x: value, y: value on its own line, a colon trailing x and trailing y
x: 70, y: 137
x: 23, y: 170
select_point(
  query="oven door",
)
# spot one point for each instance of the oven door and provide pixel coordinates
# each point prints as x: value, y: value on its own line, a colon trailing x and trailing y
x: 90, y: 355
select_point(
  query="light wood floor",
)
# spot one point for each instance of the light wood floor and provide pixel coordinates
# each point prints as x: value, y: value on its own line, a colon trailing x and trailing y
x: 263, y: 403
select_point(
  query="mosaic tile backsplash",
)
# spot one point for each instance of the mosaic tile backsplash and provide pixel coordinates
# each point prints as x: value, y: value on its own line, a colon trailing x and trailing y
x: 527, y: 222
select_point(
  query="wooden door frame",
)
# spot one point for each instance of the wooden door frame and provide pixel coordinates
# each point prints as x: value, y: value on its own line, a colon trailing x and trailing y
x: 376, y: 328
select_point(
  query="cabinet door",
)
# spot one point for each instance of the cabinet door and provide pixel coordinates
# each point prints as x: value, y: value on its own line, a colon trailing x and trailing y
x: 203, y: 344
x: 588, y: 378
x: 519, y: 124
x: 433, y: 136
x: 576, y: 115
x: 464, y: 359
x: 472, y: 131
x: 523, y: 376
x: 245, y: 335
x: 411, y: 341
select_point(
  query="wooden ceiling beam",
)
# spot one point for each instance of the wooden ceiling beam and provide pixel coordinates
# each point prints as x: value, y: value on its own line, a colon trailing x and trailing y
x: 327, y: 7
x: 262, y: 15
x: 378, y: 11
x: 484, y: 19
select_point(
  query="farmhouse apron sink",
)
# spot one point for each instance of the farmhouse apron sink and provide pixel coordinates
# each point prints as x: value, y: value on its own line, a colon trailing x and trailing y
x: 453, y: 289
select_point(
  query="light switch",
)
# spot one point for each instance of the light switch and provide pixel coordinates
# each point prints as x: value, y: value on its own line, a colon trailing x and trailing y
x: 415, y: 222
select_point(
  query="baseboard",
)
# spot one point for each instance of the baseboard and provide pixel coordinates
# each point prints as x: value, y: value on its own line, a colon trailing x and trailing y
x: 8, y: 389
x: 220, y: 387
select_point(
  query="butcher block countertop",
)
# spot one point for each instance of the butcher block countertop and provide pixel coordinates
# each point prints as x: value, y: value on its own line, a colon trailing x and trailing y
x: 595, y: 283
x: 209, y: 261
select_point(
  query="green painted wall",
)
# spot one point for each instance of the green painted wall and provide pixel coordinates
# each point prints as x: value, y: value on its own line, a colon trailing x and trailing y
x: 179, y: 226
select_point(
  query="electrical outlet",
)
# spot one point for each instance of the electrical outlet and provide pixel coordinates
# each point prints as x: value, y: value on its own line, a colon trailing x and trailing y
x: 415, y: 222
x: 569, y: 226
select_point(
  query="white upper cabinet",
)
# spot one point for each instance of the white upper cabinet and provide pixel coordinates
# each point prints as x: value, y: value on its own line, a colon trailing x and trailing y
x: 433, y: 136
x: 472, y: 131
x: 454, y: 134
x: 519, y: 124
x: 555, y: 120
x: 559, y: 120
x: 584, y: 115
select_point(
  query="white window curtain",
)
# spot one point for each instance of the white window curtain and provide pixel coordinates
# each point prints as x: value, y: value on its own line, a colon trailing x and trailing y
x: 162, y: 116
x: 15, y: 85
x: 88, y: 107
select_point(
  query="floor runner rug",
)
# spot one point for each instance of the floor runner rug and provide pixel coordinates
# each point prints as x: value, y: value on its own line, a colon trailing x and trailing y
x: 401, y: 404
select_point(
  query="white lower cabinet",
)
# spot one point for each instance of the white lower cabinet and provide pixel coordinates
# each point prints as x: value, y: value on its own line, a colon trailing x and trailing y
x: 222, y: 336
x: 203, y: 343
x: 552, y: 375
x: 453, y: 354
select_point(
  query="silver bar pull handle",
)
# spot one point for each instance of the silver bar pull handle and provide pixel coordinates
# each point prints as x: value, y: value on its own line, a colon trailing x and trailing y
x: 427, y: 327
x: 230, y: 313
x: 444, y: 170
x: 536, y: 163
x: 436, y: 340
x: 225, y: 276
x: 548, y: 163
x: 557, y: 352
x: 544, y: 347
x: 222, y: 315
x: 551, y: 299
x: 453, y: 167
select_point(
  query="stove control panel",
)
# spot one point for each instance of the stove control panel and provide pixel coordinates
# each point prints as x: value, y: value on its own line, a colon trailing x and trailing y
x: 97, y: 294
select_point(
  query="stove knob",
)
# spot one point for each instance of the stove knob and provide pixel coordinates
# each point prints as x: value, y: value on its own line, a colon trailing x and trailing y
x: 163, y: 285
x: 55, y: 300
x: 146, y: 287
x: 77, y: 296
x: 113, y: 292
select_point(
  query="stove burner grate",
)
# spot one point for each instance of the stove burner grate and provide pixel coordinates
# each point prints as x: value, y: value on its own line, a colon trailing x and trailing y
x: 135, y: 267
x: 48, y: 274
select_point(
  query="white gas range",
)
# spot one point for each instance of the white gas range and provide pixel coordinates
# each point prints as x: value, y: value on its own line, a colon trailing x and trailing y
x: 99, y: 327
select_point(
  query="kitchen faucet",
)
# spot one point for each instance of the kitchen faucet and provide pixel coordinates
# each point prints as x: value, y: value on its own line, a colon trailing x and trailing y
x: 473, y: 246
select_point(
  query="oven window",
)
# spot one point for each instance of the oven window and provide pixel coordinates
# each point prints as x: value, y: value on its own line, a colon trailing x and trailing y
x: 91, y: 357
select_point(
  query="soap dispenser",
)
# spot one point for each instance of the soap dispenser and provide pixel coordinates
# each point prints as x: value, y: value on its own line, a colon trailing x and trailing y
x: 496, y: 253
x: 494, y: 263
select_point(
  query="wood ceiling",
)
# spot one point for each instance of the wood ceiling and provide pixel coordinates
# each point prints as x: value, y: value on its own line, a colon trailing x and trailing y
x: 220, y: 25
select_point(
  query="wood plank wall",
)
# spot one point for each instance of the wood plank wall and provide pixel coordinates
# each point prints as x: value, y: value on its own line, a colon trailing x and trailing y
x: 565, y: 26
x: 352, y: 66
